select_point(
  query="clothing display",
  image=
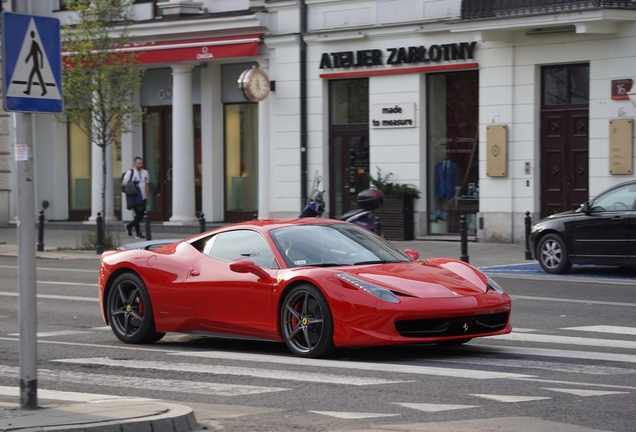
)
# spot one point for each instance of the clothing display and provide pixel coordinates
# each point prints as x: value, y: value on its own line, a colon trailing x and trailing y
x: 447, y: 177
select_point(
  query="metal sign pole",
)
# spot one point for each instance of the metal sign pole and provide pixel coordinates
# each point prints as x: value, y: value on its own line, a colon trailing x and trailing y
x: 26, y: 254
x: 26, y: 265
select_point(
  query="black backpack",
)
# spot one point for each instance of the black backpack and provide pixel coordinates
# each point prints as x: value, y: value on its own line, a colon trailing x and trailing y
x: 123, y: 188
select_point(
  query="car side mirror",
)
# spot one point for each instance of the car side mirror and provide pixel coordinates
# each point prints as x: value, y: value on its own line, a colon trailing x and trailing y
x: 586, y: 207
x: 413, y: 254
x: 249, y: 266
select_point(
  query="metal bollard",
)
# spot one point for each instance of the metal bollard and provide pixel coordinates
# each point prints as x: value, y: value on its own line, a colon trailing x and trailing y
x: 202, y: 223
x: 41, y: 231
x: 378, y: 226
x: 528, y: 221
x: 148, y: 228
x: 464, y: 238
x: 99, y: 248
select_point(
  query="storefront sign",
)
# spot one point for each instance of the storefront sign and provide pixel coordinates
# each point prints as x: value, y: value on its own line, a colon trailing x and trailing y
x: 620, y: 88
x: 396, y: 56
x: 393, y: 116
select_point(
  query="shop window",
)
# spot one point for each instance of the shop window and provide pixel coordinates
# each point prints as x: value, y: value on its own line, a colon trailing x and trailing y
x: 79, y: 162
x: 453, y: 151
x: 241, y: 159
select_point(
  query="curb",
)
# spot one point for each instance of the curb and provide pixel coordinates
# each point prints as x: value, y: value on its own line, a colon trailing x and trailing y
x: 105, y: 417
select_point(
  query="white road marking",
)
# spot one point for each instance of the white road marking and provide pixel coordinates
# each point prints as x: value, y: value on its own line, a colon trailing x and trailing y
x: 55, y: 269
x: 511, y: 399
x: 585, y: 393
x: 57, y: 333
x: 375, y: 367
x: 522, y: 330
x: 533, y: 364
x: 155, y: 384
x: 605, y: 329
x: 545, y: 352
x: 233, y: 370
x: 69, y: 396
x: 592, y: 302
x: 568, y: 340
x: 435, y: 407
x: 352, y: 415
x: 92, y: 285
x: 54, y: 297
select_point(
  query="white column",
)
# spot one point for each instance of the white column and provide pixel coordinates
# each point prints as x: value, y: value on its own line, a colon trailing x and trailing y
x: 110, y: 197
x: 96, y: 182
x: 263, y: 151
x: 183, y: 199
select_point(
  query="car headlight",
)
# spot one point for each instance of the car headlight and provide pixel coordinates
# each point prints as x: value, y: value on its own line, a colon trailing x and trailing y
x: 379, y: 292
x: 492, y: 285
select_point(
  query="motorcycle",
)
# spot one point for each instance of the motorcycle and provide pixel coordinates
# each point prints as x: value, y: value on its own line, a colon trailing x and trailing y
x: 368, y: 200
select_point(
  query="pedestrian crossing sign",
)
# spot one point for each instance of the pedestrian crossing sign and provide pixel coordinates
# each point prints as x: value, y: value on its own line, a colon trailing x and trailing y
x: 32, y: 68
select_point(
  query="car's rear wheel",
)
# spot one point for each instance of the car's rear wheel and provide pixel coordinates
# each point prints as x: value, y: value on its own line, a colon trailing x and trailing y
x: 552, y: 254
x: 130, y: 311
x: 306, y: 322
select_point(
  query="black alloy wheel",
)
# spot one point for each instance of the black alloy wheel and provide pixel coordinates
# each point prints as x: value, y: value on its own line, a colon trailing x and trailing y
x: 306, y: 322
x: 130, y: 312
x: 552, y: 255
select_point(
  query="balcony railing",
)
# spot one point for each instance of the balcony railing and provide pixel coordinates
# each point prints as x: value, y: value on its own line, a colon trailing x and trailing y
x: 475, y: 9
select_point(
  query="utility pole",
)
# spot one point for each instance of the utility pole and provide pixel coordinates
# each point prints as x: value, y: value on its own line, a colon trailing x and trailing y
x: 26, y: 252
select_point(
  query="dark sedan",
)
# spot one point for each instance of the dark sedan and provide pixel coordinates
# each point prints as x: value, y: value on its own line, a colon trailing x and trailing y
x: 601, y: 232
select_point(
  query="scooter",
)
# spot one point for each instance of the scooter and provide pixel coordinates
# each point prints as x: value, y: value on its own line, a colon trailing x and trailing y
x: 368, y: 200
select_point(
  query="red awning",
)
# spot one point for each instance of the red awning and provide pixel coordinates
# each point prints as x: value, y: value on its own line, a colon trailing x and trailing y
x: 193, y: 49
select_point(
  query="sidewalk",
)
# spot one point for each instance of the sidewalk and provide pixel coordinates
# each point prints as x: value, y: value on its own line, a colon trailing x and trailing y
x: 100, y: 416
x: 63, y: 244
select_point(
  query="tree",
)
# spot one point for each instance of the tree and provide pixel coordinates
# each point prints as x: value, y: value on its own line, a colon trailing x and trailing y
x: 100, y: 80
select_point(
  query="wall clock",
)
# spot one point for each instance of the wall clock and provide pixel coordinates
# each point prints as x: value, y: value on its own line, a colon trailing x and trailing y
x: 254, y: 84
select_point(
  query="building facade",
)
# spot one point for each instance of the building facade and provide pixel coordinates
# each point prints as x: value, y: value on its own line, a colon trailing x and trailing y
x: 491, y: 109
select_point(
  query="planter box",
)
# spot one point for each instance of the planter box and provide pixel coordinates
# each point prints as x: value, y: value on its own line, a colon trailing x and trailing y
x: 396, y: 215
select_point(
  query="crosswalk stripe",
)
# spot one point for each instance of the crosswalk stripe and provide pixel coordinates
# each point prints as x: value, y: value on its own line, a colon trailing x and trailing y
x: 375, y: 367
x: 52, y: 334
x: 69, y: 396
x: 352, y: 415
x: 584, y: 392
x: 631, y: 331
x: 568, y: 340
x: 534, y: 364
x: 54, y: 297
x: 156, y: 384
x: 546, y: 352
x: 236, y: 371
x: 435, y: 407
x: 511, y: 399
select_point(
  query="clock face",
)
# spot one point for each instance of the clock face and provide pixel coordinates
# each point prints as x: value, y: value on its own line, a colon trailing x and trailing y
x: 254, y: 84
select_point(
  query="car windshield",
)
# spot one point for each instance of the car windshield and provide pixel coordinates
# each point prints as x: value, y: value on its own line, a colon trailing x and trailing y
x: 333, y: 245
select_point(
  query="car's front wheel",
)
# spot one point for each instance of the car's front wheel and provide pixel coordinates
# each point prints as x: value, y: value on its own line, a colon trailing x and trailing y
x: 306, y: 322
x: 552, y: 255
x: 130, y: 311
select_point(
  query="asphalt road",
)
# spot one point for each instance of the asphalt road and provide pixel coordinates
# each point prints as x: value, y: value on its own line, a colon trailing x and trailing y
x: 570, y: 365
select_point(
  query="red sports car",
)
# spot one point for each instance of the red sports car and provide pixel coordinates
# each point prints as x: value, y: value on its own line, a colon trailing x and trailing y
x: 313, y: 283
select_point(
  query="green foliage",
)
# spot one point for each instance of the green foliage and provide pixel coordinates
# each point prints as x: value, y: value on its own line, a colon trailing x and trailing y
x: 89, y: 240
x: 100, y: 82
x: 388, y: 188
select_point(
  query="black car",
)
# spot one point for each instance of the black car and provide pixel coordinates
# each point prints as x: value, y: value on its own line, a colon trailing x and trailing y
x: 602, y: 232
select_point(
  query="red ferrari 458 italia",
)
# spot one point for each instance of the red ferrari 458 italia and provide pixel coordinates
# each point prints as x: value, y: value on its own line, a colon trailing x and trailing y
x: 313, y: 283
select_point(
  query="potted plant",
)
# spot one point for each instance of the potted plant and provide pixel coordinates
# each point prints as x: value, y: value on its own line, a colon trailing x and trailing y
x: 396, y: 214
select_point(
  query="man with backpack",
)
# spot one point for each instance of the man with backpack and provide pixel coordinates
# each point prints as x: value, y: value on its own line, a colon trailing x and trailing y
x: 135, y: 183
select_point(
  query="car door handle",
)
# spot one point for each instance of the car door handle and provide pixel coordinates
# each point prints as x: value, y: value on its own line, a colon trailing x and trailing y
x: 194, y: 273
x: 617, y: 219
